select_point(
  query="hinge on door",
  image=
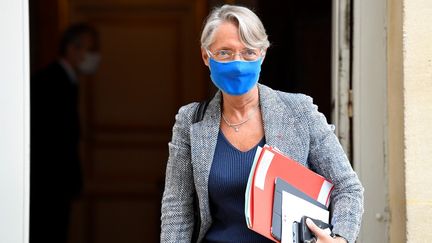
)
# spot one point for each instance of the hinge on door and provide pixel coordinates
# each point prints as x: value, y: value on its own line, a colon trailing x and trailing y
x: 350, y: 103
x: 382, y: 217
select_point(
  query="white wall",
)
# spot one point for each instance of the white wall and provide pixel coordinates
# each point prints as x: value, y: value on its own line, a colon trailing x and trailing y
x: 14, y: 121
x: 417, y: 72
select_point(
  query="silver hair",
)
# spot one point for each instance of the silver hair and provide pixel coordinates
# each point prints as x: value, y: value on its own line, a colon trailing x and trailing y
x: 251, y: 29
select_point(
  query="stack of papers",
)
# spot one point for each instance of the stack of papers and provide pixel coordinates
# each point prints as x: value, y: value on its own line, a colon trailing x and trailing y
x: 274, y: 175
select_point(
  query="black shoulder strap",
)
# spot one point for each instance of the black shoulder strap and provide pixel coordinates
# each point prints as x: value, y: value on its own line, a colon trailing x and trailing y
x: 200, y: 111
x: 198, y: 116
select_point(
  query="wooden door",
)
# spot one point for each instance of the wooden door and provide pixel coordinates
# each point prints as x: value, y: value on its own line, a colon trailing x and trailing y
x: 150, y: 66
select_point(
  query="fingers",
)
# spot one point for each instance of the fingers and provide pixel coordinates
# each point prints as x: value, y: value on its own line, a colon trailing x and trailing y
x: 318, y: 232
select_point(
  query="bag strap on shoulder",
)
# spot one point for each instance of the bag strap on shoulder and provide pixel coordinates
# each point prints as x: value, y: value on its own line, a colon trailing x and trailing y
x: 198, y: 116
x: 200, y: 111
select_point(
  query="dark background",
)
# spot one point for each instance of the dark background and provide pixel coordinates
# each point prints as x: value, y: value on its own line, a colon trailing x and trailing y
x: 151, y: 65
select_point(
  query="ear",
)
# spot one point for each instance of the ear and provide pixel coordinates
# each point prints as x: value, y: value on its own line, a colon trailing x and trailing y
x: 265, y: 53
x: 73, y: 55
x: 205, y: 56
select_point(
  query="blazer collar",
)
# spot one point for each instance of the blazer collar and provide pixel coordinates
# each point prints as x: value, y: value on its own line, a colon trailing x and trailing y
x: 278, y: 119
x: 279, y: 122
x: 204, y: 136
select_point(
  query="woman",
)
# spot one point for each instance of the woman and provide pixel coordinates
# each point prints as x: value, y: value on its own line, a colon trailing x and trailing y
x: 214, y: 156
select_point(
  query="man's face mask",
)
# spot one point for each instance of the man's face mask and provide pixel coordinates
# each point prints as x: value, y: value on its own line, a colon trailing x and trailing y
x: 90, y: 64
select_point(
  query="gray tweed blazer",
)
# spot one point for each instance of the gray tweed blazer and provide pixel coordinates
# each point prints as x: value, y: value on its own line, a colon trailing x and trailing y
x: 292, y: 124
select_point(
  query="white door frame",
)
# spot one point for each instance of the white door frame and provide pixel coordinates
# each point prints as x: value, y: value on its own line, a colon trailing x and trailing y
x: 368, y: 99
x: 14, y: 121
x: 369, y: 82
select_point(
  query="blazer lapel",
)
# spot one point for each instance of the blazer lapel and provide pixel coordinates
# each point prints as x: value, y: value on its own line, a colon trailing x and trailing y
x: 204, y: 136
x: 280, y: 128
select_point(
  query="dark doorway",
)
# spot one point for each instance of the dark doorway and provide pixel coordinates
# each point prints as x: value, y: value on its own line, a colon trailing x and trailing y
x: 123, y: 151
x: 150, y: 66
x: 299, y: 58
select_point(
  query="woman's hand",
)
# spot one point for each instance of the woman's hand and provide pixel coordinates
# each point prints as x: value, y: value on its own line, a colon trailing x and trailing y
x: 321, y: 235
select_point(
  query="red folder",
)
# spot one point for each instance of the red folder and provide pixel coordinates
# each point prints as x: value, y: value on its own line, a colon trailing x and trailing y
x: 271, y: 164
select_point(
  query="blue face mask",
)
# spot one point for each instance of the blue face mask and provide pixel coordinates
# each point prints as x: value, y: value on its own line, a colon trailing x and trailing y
x: 235, y: 77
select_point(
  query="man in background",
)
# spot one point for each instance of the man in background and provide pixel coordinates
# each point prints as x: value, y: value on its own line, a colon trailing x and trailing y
x: 55, y: 171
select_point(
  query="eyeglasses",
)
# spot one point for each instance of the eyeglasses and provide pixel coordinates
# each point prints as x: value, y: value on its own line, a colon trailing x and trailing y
x: 229, y: 55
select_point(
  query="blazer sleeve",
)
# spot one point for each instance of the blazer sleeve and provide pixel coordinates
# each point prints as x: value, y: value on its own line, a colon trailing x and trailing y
x: 177, y: 201
x: 327, y: 157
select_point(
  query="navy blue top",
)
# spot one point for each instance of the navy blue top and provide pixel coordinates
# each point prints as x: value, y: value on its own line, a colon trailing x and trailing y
x: 226, y: 186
